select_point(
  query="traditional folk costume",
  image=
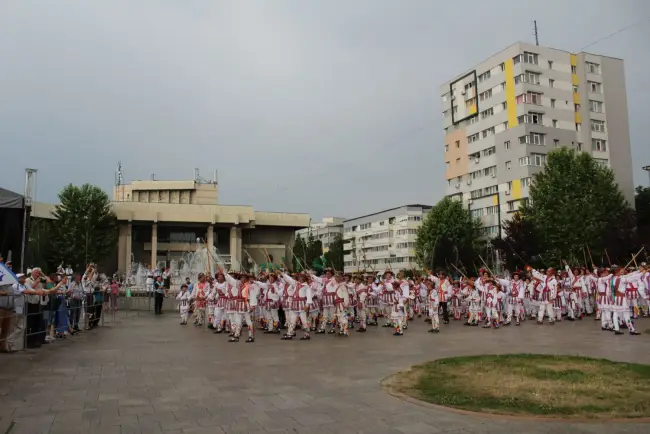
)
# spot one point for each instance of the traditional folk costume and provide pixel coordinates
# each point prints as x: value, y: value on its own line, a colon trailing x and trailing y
x: 220, y: 295
x: 241, y: 291
x: 184, y: 301
x: 329, y: 306
x: 604, y: 300
x: 387, y: 299
x: 272, y: 290
x: 372, y: 302
x: 299, y: 300
x: 341, y: 303
x: 517, y: 290
x: 433, y: 305
x: 620, y: 307
x: 200, y: 296
x: 491, y: 305
x: 547, y: 295
x: 362, y: 297
x: 474, y: 299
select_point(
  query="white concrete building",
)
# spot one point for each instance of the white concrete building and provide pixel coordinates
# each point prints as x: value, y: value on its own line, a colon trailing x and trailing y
x: 385, y: 239
x: 503, y: 116
x: 324, y: 231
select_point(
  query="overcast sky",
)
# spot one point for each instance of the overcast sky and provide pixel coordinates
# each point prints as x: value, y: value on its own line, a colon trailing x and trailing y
x: 324, y: 107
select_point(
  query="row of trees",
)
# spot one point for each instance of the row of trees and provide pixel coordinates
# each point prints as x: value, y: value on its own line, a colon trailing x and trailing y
x: 576, y: 212
x: 308, y: 253
x: 84, y: 230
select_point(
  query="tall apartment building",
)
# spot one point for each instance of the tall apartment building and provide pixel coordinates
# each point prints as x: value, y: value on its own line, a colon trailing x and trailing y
x: 502, y: 117
x: 385, y: 239
x: 325, y: 231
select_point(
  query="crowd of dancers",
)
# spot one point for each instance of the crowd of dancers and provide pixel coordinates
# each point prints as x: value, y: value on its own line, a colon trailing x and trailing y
x: 334, y: 302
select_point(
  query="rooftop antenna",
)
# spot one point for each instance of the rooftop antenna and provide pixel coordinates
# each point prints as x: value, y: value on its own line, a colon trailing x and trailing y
x: 118, y: 174
x: 153, y: 176
x: 30, y: 195
x: 214, y: 177
x: 535, y: 32
x: 196, y: 174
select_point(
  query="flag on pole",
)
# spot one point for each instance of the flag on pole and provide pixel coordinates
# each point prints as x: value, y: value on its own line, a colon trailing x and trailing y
x: 7, y: 277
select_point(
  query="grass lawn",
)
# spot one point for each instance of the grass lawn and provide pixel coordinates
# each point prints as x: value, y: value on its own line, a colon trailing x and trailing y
x: 535, y: 385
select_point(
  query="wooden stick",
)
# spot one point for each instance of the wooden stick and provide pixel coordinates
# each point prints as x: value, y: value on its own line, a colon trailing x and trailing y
x: 634, y: 257
x: 585, y: 257
x: 607, y: 254
x: 486, y: 266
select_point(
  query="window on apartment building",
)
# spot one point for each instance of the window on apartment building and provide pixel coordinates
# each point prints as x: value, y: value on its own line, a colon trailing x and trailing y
x: 503, y: 86
x: 506, y: 145
x: 457, y: 144
x: 530, y: 98
x: 551, y: 82
x: 597, y: 126
x: 550, y: 64
x: 381, y: 223
x: 536, y: 160
x: 454, y: 109
x: 485, y: 95
x: 491, y: 230
x: 530, y: 118
x: 556, y: 143
x: 576, y: 107
x: 473, y: 120
x: 533, y: 139
x: 602, y: 161
x: 595, y: 106
x: 490, y: 171
x: 575, y: 89
x: 528, y: 77
x: 552, y: 103
x: 484, y: 76
x: 473, y: 138
x: 574, y: 69
x: 476, y: 213
x: 493, y: 189
x: 525, y: 182
x: 592, y: 68
x: 595, y: 87
x: 599, y: 145
x: 508, y: 165
x: 470, y: 102
x: 578, y: 127
x: 491, y: 210
x: 511, y: 205
x: 504, y: 105
x: 526, y: 57
x: 502, y: 66
x: 489, y: 151
x: 505, y: 125
x: 554, y: 122
x: 509, y: 186
x: 487, y: 113
x: 475, y: 194
x: 447, y: 164
x: 457, y: 161
x: 488, y: 132
x: 364, y: 226
x: 476, y: 174
x: 469, y: 85
x: 446, y: 148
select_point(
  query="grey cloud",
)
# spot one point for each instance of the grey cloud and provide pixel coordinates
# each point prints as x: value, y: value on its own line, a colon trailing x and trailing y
x: 329, y: 108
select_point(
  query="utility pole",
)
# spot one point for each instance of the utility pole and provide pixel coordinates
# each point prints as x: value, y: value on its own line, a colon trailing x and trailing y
x: 30, y: 193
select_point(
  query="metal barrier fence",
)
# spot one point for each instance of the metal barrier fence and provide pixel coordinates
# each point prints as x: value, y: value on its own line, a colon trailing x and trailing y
x: 30, y: 325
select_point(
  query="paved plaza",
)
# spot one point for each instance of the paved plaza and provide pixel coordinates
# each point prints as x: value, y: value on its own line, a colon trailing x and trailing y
x: 146, y: 374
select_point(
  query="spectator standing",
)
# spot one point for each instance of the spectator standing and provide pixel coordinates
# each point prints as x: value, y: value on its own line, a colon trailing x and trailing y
x: 76, y: 293
x: 114, y: 294
x: 62, y: 308
x: 33, y: 292
x: 15, y: 340
x: 159, y: 293
x: 98, y: 299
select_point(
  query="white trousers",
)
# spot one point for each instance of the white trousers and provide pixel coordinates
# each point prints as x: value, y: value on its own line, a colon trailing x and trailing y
x: 329, y: 314
x: 218, y: 317
x: 547, y: 308
x: 625, y: 316
x: 435, y: 317
x: 514, y: 308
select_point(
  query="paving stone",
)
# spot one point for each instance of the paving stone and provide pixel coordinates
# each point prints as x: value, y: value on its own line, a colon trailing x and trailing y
x: 148, y: 375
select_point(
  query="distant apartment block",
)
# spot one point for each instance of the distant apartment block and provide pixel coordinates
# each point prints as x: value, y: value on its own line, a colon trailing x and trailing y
x: 383, y: 240
x: 502, y: 117
x: 324, y: 231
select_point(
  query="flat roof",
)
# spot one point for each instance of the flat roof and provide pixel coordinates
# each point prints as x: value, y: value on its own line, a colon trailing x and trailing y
x: 389, y: 209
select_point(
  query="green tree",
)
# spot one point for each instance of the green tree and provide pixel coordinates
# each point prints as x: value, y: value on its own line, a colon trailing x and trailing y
x: 314, y: 250
x: 85, y: 228
x: 519, y: 246
x: 299, y: 249
x: 448, y: 234
x: 334, y: 256
x: 39, y: 251
x: 575, y: 201
x: 642, y: 206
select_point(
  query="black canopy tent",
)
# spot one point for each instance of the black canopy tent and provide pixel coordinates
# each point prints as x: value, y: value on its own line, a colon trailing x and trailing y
x: 12, y: 216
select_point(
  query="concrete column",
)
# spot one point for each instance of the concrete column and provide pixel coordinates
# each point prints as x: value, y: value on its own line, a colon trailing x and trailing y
x: 129, y: 248
x: 235, y: 248
x: 154, y: 245
x: 121, y: 248
x: 210, y: 245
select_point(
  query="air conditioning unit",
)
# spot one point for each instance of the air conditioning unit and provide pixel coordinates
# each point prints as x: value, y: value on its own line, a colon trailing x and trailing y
x: 462, y: 92
x: 477, y: 160
x: 457, y: 185
x: 507, y: 192
x: 494, y: 175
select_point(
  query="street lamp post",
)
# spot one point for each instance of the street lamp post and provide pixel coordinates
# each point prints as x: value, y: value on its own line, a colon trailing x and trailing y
x: 647, y: 169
